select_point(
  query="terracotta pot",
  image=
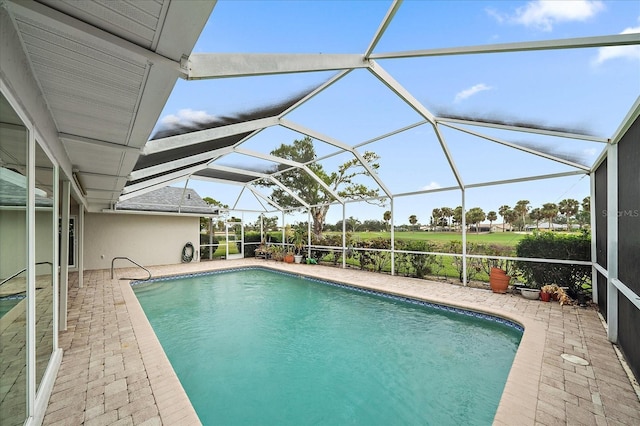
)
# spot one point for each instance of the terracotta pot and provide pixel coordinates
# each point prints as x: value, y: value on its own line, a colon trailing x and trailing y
x: 545, y: 297
x: 499, y: 283
x: 288, y: 258
x: 497, y: 271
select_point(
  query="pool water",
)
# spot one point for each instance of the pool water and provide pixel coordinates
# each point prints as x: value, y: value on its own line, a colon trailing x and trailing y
x: 256, y: 347
x: 7, y: 303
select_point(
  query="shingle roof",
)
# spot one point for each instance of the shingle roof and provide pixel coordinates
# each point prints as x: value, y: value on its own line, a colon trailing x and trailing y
x: 168, y: 199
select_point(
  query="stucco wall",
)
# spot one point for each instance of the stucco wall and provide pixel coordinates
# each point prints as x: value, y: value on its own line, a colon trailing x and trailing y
x: 13, y: 241
x: 146, y: 239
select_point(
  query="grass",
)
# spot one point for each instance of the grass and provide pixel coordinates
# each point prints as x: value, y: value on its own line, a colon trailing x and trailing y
x: 502, y: 238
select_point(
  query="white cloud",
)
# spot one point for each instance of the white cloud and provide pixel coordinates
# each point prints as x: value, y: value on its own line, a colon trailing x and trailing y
x: 543, y: 14
x: 432, y: 185
x: 613, y: 52
x: 186, y: 116
x: 471, y: 91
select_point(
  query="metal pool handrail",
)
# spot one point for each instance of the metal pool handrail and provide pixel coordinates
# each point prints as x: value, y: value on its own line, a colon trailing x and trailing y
x: 135, y: 263
x: 6, y: 280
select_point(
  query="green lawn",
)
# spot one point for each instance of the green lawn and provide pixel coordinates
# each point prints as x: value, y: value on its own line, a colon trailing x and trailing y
x: 502, y: 238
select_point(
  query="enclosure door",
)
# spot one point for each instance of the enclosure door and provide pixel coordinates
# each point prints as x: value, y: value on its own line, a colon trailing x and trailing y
x: 233, y: 238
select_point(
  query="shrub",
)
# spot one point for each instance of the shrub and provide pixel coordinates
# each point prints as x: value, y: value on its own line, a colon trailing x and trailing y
x: 414, y: 264
x: 552, y: 245
x: 204, y: 251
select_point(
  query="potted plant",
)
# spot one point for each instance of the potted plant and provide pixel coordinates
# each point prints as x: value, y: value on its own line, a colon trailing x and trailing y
x: 298, y: 243
x: 531, y: 293
x: 499, y: 280
x: 553, y: 291
x: 289, y: 257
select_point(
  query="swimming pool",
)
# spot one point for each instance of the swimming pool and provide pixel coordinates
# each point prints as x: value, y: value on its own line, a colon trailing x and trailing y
x: 8, y: 302
x: 253, y: 346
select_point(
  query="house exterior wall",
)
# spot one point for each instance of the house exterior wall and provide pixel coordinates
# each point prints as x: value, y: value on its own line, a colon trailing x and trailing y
x: 13, y: 228
x: 146, y: 239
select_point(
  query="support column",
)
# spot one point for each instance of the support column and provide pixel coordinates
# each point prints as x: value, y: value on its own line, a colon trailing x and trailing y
x: 393, y: 245
x: 592, y: 224
x: 64, y: 254
x: 344, y: 235
x: 464, y: 240
x: 80, y: 237
x: 612, y: 242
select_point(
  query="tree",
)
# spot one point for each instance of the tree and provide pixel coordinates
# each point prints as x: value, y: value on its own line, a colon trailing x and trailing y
x: 457, y: 215
x: 536, y: 215
x: 352, y: 223
x: 447, y: 213
x: 343, y: 181
x: 502, y: 210
x: 521, y: 208
x: 413, y: 219
x: 205, y: 221
x: 387, y: 217
x: 436, y: 214
x: 510, y: 216
x: 568, y: 207
x: 491, y: 216
x: 584, y: 216
x: 475, y: 215
x: 586, y: 204
x: 549, y: 211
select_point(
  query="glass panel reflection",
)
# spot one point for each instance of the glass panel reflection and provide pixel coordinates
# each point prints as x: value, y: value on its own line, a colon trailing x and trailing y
x: 45, y: 222
x: 13, y: 283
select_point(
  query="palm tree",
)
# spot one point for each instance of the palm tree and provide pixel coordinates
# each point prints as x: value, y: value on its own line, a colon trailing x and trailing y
x: 502, y: 210
x: 491, y: 216
x: 447, y: 212
x: 549, y: 211
x: 436, y: 214
x: 536, y: 215
x: 521, y: 208
x: 387, y: 217
x: 413, y: 219
x: 568, y: 207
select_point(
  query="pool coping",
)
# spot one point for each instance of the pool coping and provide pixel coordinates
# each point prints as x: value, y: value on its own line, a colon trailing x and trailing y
x: 517, y: 405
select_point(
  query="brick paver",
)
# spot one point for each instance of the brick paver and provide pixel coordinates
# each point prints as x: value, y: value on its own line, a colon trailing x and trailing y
x: 114, y: 371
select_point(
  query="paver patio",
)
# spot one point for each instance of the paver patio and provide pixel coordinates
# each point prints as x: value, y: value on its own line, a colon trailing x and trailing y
x: 114, y: 371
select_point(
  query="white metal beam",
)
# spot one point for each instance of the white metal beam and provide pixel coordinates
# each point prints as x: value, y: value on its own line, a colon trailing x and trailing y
x: 383, y: 27
x: 567, y: 43
x: 182, y: 162
x: 51, y: 17
x: 264, y: 197
x: 520, y: 147
x: 222, y: 65
x: 630, y: 118
x: 288, y: 191
x: 293, y: 164
x: 522, y: 129
x: 448, y: 156
x: 525, y: 179
x: 169, y: 177
x: 317, y: 90
x: 331, y: 141
x: 64, y: 256
x: 403, y: 93
x: 193, y: 138
x: 612, y: 242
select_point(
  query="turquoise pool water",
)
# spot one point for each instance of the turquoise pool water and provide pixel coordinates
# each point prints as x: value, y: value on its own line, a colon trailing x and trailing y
x: 256, y: 347
x: 7, y: 303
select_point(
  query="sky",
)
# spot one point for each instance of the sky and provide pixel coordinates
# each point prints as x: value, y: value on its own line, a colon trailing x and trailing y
x: 586, y: 90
